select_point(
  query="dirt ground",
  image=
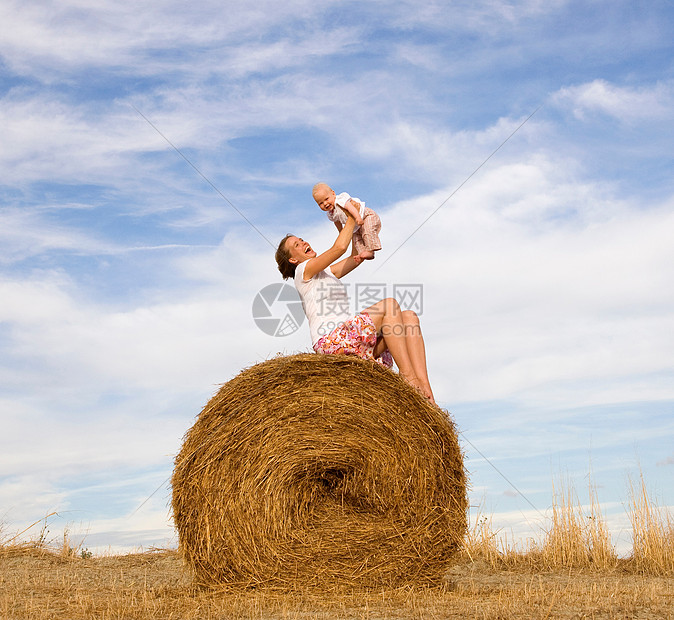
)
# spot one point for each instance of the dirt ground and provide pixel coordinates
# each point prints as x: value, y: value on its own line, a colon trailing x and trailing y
x: 39, y: 584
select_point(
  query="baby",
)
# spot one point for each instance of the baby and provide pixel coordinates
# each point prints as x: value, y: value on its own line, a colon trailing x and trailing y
x: 366, y: 232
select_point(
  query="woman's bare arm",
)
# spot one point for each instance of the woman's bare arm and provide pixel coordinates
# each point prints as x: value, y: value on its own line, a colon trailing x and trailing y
x: 341, y: 245
x: 345, y: 266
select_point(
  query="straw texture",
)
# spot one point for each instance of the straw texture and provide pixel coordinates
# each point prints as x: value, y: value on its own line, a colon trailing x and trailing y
x: 319, y: 470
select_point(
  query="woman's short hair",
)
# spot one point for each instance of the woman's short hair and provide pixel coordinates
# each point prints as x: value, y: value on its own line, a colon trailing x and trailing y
x: 286, y: 268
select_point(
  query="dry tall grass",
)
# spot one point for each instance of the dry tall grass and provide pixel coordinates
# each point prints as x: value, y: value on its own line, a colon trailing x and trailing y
x: 652, y: 533
x: 579, y: 538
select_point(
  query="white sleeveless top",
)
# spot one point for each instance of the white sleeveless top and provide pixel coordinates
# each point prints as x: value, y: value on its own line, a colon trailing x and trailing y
x: 324, y: 299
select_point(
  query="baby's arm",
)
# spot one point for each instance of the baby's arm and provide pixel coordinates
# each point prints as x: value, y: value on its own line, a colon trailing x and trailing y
x: 353, y: 208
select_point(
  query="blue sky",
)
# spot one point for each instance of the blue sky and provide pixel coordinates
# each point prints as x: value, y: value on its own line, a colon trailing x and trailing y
x: 127, y: 280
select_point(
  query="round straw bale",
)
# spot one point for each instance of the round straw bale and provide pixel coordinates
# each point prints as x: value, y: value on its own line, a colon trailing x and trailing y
x: 319, y: 470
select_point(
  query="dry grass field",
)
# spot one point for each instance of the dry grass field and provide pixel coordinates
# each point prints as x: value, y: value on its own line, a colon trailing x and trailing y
x: 37, y: 583
x: 572, y: 573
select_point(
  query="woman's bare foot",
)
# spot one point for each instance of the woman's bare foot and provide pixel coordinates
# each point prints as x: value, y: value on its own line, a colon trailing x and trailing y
x: 413, y: 380
x: 428, y: 394
x: 424, y: 390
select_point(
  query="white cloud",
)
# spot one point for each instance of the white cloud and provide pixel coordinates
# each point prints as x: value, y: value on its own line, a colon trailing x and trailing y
x: 532, y: 282
x: 652, y: 102
x: 24, y: 234
x: 124, y: 36
x: 163, y: 344
x: 492, y: 15
x: 52, y: 138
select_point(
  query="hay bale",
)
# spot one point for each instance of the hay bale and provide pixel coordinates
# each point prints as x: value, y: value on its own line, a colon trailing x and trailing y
x: 319, y: 470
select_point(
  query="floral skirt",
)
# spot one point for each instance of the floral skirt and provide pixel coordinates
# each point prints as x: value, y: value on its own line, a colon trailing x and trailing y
x: 357, y: 336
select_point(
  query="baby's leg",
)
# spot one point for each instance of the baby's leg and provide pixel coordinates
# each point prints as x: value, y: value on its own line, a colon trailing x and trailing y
x: 359, y: 246
x: 369, y: 234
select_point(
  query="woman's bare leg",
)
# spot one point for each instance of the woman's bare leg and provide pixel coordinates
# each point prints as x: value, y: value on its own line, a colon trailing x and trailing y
x: 379, y: 348
x: 401, y: 335
x: 388, y: 319
x: 416, y: 349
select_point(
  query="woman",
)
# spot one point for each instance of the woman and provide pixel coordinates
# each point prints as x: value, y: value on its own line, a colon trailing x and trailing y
x: 369, y: 334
